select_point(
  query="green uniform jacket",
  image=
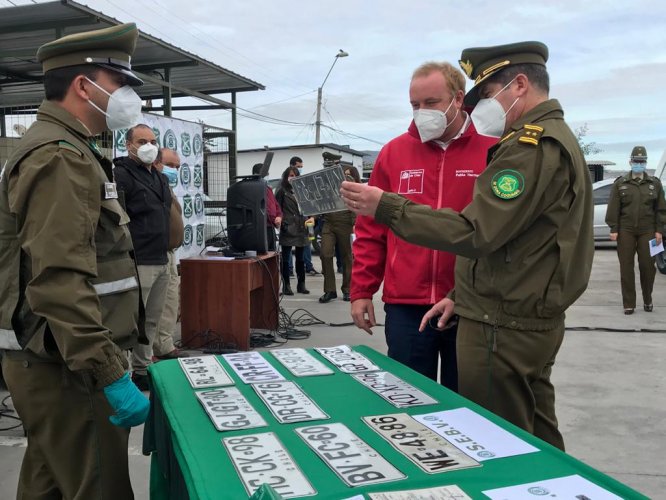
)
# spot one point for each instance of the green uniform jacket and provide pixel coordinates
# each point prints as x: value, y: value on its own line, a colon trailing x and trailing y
x: 636, y: 205
x: 525, y: 248
x: 344, y: 218
x: 70, y: 291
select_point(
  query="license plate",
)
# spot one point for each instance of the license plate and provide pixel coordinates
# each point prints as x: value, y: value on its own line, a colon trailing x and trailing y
x: 205, y: 371
x: 356, y: 463
x: 427, y: 449
x: 251, y: 367
x: 288, y: 402
x: 261, y: 458
x: 346, y: 359
x: 229, y: 410
x: 452, y: 492
x: 394, y: 390
x: 300, y: 362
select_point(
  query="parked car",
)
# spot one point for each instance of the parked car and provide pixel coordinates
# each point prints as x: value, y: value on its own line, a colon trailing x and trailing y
x: 601, y: 191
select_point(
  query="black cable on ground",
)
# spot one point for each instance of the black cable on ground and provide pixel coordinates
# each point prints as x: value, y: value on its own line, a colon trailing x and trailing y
x: 7, y: 412
x: 606, y: 329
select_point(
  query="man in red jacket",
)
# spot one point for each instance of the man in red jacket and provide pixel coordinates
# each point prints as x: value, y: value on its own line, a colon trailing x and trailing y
x: 436, y: 163
x: 273, y: 210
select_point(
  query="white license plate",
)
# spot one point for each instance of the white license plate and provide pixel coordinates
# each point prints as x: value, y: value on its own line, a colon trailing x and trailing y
x: 261, y: 458
x: 394, y: 390
x: 300, y: 362
x: 427, y: 449
x: 205, y: 371
x: 229, y: 410
x: 451, y: 492
x: 356, y: 463
x: 346, y: 359
x: 288, y: 402
x: 252, y: 367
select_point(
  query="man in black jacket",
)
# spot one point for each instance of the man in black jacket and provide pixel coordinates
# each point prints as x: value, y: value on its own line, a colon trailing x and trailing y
x: 147, y: 198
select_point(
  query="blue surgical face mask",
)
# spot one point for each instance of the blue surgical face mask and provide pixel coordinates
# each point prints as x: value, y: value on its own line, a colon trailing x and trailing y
x: 172, y: 175
x: 637, y: 168
x: 300, y: 171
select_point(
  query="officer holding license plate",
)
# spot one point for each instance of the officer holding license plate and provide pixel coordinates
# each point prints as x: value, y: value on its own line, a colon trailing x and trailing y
x: 70, y: 302
x: 524, y: 244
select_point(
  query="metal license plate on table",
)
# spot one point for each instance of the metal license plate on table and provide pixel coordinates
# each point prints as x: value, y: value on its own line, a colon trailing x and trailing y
x: 346, y: 359
x: 427, y: 449
x: 261, y: 458
x: 252, y: 367
x: 205, y: 371
x: 351, y: 458
x: 229, y: 410
x: 300, y: 362
x: 394, y: 390
x: 288, y: 402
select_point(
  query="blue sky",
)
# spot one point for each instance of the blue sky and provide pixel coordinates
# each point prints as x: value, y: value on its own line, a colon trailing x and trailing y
x: 607, y: 60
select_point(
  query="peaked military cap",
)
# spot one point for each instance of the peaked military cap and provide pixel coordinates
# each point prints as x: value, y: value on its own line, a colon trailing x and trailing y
x: 109, y: 48
x: 479, y: 63
x: 327, y: 155
x: 639, y: 153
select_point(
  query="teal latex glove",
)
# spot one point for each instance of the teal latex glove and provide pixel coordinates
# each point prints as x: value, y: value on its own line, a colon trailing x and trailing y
x: 130, y: 405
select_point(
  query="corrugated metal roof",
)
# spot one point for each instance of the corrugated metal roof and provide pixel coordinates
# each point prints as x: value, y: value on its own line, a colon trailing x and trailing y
x: 23, y: 29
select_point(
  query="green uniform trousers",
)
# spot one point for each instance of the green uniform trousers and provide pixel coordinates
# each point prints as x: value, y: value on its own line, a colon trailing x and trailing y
x: 508, y: 372
x: 331, y: 235
x: 628, y: 245
x: 73, y: 451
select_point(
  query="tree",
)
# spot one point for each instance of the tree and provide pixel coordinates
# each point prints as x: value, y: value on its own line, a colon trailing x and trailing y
x: 588, y: 148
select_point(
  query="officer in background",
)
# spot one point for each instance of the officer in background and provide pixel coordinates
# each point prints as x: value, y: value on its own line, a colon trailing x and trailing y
x: 168, y: 163
x: 525, y: 243
x: 338, y: 227
x: 636, y: 214
x: 69, y: 303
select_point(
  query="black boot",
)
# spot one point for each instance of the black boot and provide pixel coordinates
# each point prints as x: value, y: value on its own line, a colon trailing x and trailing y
x: 300, y: 287
x: 286, y: 288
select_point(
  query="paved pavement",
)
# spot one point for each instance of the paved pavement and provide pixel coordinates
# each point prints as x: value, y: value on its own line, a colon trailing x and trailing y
x: 610, y: 378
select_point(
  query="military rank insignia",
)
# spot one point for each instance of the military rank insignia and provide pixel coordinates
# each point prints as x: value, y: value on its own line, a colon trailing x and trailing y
x: 531, y: 134
x: 508, y: 184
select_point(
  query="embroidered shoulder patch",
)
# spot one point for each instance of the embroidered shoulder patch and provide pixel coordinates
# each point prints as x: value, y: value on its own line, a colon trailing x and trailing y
x: 531, y: 134
x: 508, y: 184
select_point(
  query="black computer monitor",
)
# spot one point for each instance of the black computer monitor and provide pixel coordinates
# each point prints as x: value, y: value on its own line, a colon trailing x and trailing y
x: 246, y: 215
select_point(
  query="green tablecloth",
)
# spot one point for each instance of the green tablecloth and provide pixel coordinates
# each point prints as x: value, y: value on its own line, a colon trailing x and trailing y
x: 189, y: 460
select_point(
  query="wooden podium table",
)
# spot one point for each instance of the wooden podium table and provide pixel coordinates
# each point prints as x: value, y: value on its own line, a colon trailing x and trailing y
x: 228, y: 297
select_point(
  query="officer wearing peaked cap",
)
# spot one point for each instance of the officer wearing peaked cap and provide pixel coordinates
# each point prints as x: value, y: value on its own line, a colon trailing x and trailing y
x: 337, y: 230
x: 69, y: 306
x: 636, y: 214
x: 524, y: 244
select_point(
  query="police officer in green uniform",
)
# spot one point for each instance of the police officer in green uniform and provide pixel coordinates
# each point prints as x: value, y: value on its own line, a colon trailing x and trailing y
x: 524, y: 244
x: 69, y: 303
x: 636, y: 214
x: 338, y: 227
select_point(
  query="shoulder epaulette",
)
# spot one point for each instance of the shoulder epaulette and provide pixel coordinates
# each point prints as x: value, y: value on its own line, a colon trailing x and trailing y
x: 530, y: 134
x: 70, y: 147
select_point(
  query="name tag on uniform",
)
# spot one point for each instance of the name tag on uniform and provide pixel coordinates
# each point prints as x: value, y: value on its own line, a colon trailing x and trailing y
x: 110, y: 192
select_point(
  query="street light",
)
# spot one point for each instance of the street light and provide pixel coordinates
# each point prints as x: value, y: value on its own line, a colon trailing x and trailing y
x: 341, y: 53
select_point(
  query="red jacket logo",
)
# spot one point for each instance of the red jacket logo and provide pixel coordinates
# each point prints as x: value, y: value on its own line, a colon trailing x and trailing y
x: 411, y: 182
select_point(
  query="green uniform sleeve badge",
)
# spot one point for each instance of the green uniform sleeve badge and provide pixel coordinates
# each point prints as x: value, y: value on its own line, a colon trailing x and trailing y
x: 508, y: 184
x: 69, y: 147
x: 531, y: 134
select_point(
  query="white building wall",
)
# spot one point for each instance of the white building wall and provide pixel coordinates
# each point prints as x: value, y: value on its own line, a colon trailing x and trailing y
x: 312, y: 160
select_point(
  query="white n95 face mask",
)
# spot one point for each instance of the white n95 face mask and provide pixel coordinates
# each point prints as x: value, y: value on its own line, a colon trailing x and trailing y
x: 489, y: 117
x: 432, y: 123
x: 123, y: 109
x: 147, y: 153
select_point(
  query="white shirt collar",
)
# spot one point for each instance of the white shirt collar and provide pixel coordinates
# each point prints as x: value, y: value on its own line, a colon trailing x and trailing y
x: 462, y: 130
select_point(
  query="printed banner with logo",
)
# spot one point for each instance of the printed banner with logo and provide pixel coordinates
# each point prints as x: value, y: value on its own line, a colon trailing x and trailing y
x: 186, y: 138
